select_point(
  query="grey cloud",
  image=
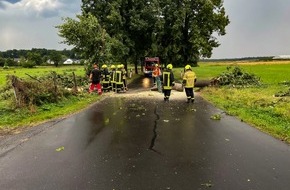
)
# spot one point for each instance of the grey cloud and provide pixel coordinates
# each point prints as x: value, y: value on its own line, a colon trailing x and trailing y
x: 68, y: 7
x: 71, y: 5
x: 13, y: 1
x: 2, y: 6
x: 49, y: 13
x: 257, y: 28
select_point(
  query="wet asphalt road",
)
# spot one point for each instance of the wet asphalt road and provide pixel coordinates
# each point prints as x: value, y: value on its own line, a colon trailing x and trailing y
x: 127, y: 143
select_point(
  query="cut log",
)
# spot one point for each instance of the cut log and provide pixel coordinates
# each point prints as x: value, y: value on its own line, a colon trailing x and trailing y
x: 178, y: 87
x: 202, y: 83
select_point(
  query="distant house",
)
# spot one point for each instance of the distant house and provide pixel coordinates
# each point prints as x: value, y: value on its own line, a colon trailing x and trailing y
x: 17, y: 60
x: 282, y: 57
x: 68, y: 62
x: 50, y: 62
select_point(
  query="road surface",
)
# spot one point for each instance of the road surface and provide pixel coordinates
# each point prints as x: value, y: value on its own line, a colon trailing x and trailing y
x: 135, y: 141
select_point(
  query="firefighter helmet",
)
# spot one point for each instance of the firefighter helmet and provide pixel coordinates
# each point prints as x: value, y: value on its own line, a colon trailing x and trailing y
x: 156, y: 65
x: 169, y: 66
x: 104, y: 66
x: 122, y: 66
x: 187, y: 67
x: 119, y: 66
x: 113, y: 67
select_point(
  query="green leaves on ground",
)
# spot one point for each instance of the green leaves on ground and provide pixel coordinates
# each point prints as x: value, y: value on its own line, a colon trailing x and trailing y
x: 236, y: 77
x: 216, y: 117
x: 59, y: 149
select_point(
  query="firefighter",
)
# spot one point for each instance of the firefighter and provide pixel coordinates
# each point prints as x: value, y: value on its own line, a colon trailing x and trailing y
x: 167, y: 79
x: 189, y: 78
x: 118, y: 79
x: 113, y: 77
x: 95, y: 77
x: 105, y: 78
x: 124, y: 77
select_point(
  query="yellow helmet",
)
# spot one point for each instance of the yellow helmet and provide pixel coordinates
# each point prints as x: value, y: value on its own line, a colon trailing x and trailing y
x: 104, y: 66
x: 113, y: 67
x: 156, y: 65
x: 119, y: 66
x: 122, y: 66
x: 169, y: 66
x: 187, y: 67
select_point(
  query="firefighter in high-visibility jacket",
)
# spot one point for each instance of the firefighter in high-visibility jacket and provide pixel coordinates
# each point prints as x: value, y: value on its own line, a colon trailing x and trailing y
x: 118, y: 79
x: 167, y: 79
x: 189, y: 78
x: 124, y: 77
x: 105, y: 78
x: 113, y: 77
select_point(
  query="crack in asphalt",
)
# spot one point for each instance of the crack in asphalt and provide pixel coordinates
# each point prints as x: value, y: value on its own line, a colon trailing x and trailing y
x: 151, y: 147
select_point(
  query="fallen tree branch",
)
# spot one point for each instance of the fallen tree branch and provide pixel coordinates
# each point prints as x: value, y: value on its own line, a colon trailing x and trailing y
x: 33, y: 77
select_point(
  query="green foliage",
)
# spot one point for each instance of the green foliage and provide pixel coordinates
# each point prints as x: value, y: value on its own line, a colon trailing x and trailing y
x: 235, y: 77
x: 6, y: 67
x: 88, y: 36
x: 2, y: 62
x: 216, y: 117
x: 10, y: 62
x: 284, y: 93
x: 34, y: 57
x: 56, y: 57
x: 39, y: 90
x: 179, y: 33
x: 27, y: 64
x: 44, y: 54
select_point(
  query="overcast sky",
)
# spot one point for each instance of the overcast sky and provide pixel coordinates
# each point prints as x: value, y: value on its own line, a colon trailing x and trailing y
x: 257, y: 28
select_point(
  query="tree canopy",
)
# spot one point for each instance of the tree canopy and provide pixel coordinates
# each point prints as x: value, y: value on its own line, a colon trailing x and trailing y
x: 178, y: 31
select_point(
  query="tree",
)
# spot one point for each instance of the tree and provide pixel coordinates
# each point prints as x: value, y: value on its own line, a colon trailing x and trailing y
x: 129, y: 22
x: 35, y: 57
x: 178, y: 31
x: 89, y: 38
x: 2, y: 62
x: 10, y: 62
x: 56, y: 57
x: 186, y: 29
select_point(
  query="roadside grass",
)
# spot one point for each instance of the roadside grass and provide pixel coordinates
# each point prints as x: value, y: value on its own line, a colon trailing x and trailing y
x: 13, y: 119
x: 256, y: 105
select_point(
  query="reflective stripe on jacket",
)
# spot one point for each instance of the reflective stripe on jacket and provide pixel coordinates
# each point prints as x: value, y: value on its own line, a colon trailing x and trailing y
x: 113, y: 76
x: 166, y: 80
x: 118, y: 78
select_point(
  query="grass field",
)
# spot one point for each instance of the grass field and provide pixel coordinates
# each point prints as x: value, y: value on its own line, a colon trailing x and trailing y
x: 38, y: 71
x: 270, y: 72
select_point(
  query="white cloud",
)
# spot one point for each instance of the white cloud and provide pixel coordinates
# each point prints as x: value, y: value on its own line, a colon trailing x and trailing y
x: 39, y: 8
x: 30, y: 24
